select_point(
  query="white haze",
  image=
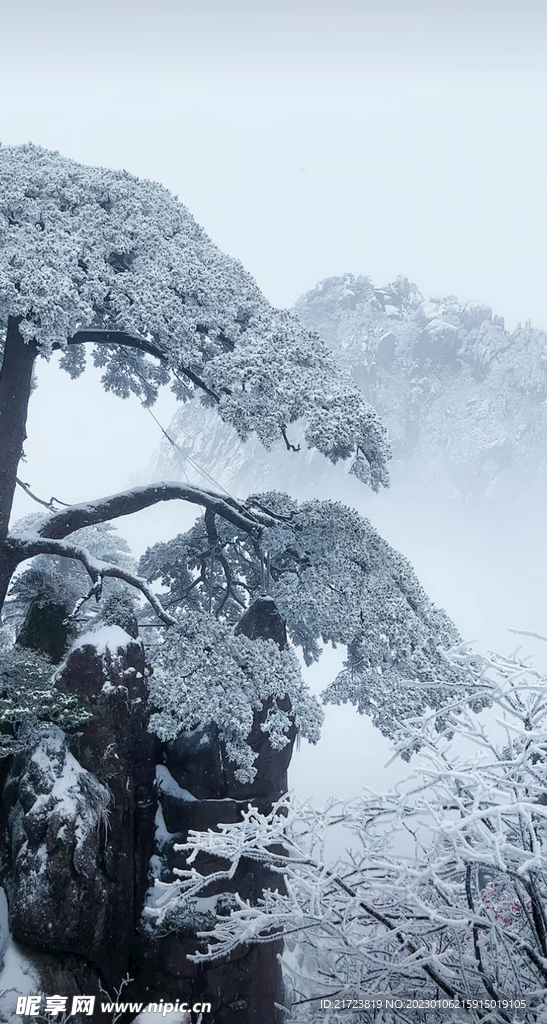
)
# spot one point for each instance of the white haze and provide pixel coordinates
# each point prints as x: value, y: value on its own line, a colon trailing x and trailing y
x: 375, y: 137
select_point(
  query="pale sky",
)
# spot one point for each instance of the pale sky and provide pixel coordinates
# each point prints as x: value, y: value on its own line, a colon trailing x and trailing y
x: 380, y: 137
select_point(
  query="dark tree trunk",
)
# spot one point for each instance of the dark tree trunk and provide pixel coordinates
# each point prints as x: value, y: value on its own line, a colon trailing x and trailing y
x: 8, y: 565
x: 15, y: 387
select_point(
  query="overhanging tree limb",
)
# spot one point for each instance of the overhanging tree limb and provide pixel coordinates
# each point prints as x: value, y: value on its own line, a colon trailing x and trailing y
x: 122, y: 339
x: 102, y: 336
x: 103, y: 510
x: 48, y: 539
x: 28, y: 547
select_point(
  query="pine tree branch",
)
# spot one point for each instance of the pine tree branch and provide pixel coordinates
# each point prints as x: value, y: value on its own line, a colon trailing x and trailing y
x: 102, y: 510
x: 29, y: 546
x: 123, y: 339
x: 48, y: 538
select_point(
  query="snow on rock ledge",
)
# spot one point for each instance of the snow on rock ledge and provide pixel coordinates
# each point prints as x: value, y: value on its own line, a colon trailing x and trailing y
x: 105, y: 638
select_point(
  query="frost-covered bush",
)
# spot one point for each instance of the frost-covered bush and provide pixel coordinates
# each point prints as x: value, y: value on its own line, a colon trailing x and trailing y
x: 204, y: 672
x: 444, y: 894
x: 29, y: 699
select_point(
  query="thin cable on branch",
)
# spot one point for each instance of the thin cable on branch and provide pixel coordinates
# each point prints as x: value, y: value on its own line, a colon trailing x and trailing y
x: 47, y: 504
x: 175, y: 446
x: 192, y: 461
x: 203, y: 472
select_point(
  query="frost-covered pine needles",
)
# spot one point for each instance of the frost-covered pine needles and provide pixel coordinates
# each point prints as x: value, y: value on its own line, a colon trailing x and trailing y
x: 86, y: 248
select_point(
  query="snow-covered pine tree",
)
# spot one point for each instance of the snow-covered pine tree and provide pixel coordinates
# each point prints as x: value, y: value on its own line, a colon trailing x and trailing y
x: 90, y: 255
x: 95, y: 256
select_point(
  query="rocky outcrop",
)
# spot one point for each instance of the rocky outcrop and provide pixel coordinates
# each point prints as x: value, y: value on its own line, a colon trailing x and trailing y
x: 46, y: 629
x: 80, y: 823
x: 58, y: 892
x: 107, y: 671
x: 197, y: 790
x: 82, y: 817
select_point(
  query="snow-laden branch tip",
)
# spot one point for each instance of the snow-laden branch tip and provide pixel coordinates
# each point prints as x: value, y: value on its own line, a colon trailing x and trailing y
x: 527, y: 632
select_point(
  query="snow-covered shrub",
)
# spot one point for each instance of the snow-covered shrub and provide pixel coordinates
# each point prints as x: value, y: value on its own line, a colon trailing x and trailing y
x: 29, y: 699
x: 204, y: 672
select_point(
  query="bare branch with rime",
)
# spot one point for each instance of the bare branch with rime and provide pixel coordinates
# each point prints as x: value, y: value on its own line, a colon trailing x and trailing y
x: 32, y: 544
x: 47, y: 504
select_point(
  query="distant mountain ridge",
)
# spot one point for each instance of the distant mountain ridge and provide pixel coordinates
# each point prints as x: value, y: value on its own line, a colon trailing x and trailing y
x: 462, y: 398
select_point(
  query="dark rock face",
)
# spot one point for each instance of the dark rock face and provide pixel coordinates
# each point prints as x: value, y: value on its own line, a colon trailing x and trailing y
x: 58, y: 893
x: 198, y: 789
x: 81, y: 825
x: 263, y: 621
x: 80, y: 822
x: 120, y: 751
x: 46, y: 630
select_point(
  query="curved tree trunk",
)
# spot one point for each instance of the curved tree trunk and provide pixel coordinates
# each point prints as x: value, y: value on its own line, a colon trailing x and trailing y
x: 15, y: 388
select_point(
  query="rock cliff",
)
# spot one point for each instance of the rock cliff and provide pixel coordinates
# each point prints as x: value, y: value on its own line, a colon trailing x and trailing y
x: 92, y: 817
